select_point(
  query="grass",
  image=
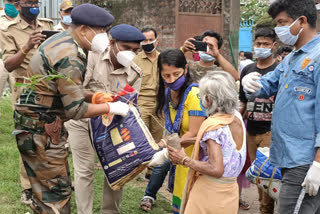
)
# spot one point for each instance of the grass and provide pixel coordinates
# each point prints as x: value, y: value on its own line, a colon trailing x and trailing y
x: 10, y: 184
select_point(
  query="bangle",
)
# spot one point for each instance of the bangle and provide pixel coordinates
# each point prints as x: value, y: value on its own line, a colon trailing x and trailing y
x: 22, y: 51
x: 183, y: 160
x: 164, y: 141
x: 182, y: 49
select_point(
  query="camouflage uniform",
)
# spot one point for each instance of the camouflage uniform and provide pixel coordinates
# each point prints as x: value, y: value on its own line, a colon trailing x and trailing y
x: 197, y: 71
x: 44, y: 157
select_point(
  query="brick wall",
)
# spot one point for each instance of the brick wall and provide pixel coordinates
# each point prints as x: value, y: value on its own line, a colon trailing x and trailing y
x: 163, y: 15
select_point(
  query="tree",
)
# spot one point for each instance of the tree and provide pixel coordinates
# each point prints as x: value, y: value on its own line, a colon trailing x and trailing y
x: 253, y: 9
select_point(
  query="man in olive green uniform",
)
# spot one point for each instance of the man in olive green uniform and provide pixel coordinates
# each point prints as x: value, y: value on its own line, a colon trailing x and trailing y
x: 147, y: 60
x: 40, y: 113
x: 105, y: 73
x: 8, y: 14
x: 19, y: 40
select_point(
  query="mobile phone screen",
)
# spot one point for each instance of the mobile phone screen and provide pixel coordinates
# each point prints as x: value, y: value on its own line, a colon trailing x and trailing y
x: 49, y: 33
x: 200, y: 46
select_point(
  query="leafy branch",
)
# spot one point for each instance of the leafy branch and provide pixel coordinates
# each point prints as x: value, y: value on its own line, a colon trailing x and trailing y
x: 31, y: 82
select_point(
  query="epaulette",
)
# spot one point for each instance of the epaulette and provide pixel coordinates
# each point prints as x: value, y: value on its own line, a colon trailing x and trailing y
x: 45, y: 20
x: 6, y: 25
x: 136, y: 68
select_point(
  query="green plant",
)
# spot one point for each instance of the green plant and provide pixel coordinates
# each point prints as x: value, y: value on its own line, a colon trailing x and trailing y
x: 31, y: 82
x: 253, y: 9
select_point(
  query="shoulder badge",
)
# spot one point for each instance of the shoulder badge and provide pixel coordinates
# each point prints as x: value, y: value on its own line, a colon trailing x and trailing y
x: 45, y: 20
x: 136, y: 68
x: 5, y: 26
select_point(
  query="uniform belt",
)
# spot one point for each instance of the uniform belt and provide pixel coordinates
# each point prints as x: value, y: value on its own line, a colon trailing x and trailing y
x: 29, y: 123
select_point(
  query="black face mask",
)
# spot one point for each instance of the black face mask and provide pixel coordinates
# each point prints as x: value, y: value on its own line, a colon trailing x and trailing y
x: 148, y: 48
x: 30, y: 13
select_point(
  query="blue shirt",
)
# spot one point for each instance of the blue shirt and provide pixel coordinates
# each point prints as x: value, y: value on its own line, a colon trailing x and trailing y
x: 295, y: 123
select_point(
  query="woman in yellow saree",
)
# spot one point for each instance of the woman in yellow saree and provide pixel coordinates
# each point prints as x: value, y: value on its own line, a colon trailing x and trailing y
x: 182, y: 109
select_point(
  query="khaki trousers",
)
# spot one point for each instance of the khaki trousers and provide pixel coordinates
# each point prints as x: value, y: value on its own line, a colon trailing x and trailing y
x: 83, y: 156
x: 255, y: 141
x: 5, y: 77
x: 147, y: 107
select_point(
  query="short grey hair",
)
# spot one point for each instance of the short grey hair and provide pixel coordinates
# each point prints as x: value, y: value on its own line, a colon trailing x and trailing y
x: 219, y: 90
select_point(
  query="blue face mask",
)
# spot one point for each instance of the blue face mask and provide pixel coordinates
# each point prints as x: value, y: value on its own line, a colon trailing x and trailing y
x: 67, y: 20
x: 176, y: 85
x: 206, y: 57
x: 11, y: 10
x: 262, y: 53
x: 286, y: 36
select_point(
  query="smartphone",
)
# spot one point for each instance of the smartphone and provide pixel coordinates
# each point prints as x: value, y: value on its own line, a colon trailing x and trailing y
x: 49, y: 33
x: 200, y: 46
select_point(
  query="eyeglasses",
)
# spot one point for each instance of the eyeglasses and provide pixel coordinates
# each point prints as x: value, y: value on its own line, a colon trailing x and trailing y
x: 31, y: 3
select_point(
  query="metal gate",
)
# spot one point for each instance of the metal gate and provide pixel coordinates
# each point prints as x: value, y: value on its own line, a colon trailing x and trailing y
x: 245, y: 36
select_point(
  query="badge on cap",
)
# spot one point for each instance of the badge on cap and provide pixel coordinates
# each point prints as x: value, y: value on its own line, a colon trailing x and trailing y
x: 301, y: 97
x: 286, y: 86
x: 69, y: 3
x: 305, y: 62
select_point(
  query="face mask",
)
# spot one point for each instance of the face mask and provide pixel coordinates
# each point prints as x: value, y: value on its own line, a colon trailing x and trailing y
x: 149, y: 48
x: 286, y: 36
x: 206, y: 57
x: 30, y: 13
x: 100, y: 42
x: 11, y: 10
x: 176, y: 85
x: 67, y: 20
x: 262, y: 53
x: 124, y: 57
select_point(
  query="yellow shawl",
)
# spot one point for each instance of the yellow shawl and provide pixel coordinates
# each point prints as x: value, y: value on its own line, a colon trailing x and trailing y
x: 212, y: 123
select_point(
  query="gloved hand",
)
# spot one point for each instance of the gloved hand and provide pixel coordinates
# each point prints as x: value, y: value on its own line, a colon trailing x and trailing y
x: 249, y: 82
x: 119, y: 108
x: 312, y: 180
x: 159, y: 157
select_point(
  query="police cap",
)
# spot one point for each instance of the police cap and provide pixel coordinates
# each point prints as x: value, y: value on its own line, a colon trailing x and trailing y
x: 91, y: 15
x: 128, y: 33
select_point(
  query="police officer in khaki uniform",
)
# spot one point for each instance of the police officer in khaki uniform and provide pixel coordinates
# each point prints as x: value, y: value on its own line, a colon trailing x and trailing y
x: 8, y: 14
x: 108, y: 72
x: 19, y: 40
x: 41, y: 112
x: 66, y: 7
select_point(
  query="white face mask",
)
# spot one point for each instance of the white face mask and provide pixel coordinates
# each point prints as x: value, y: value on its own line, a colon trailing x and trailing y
x: 124, y: 57
x: 286, y: 36
x: 100, y: 42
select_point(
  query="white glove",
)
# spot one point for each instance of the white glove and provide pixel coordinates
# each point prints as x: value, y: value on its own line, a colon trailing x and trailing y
x: 119, y: 108
x: 312, y: 180
x: 159, y: 158
x: 249, y: 82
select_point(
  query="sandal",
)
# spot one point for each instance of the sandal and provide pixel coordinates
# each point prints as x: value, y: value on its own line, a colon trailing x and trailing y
x: 98, y: 166
x: 243, y: 205
x: 146, y: 203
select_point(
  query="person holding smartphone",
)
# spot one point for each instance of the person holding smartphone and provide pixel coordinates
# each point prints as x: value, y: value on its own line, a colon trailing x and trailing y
x: 207, y: 62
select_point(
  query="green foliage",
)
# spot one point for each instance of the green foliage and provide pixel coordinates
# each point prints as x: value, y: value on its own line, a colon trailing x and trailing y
x: 30, y: 83
x: 265, y: 21
x: 253, y: 9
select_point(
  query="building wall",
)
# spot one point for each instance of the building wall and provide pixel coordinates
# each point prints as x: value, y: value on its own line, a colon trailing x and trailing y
x: 177, y: 20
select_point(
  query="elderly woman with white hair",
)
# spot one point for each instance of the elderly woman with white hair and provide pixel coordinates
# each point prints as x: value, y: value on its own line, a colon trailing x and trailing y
x: 219, y: 153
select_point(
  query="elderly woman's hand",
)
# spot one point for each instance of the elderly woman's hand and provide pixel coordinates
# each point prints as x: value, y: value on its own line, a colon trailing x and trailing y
x: 176, y: 156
